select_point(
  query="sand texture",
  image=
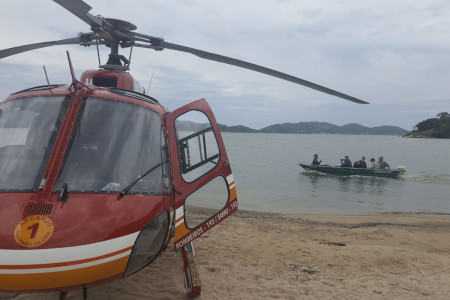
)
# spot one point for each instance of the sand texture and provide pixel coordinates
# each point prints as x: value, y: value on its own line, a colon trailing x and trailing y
x: 271, y: 256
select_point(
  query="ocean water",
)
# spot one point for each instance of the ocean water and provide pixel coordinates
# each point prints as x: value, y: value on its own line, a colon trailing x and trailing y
x: 269, y: 179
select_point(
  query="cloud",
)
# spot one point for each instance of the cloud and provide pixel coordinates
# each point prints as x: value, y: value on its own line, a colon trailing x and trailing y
x: 392, y: 54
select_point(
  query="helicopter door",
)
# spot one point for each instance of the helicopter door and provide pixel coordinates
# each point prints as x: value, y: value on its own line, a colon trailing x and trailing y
x: 205, y: 192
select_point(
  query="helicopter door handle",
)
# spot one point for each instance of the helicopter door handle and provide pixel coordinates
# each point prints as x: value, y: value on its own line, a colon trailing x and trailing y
x: 64, y: 195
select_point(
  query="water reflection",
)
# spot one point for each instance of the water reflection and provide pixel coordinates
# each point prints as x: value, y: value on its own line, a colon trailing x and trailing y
x: 354, y: 184
x: 268, y: 176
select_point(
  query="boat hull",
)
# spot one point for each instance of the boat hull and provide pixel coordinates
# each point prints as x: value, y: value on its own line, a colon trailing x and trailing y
x: 351, y: 171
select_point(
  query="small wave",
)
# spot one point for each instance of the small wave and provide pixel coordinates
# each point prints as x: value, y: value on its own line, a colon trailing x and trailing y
x: 441, y: 178
x: 427, y: 178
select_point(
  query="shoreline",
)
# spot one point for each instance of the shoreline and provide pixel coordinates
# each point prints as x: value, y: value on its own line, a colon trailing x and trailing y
x: 258, y: 255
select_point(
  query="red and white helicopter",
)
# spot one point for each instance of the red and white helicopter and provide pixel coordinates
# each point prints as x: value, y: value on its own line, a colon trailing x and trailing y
x: 96, y: 176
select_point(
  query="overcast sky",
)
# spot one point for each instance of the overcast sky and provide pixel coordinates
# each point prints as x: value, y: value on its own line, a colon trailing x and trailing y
x: 393, y: 54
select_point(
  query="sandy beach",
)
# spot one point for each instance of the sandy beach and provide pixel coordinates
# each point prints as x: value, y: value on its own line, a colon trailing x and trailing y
x: 271, y: 256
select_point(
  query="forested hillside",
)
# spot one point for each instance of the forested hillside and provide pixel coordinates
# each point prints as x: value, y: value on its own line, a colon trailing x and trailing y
x: 438, y: 127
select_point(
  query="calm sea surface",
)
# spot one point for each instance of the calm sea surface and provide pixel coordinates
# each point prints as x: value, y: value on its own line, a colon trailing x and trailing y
x: 268, y: 177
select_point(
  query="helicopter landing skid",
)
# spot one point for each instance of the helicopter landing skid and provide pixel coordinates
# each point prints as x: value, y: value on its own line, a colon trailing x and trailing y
x: 191, y: 276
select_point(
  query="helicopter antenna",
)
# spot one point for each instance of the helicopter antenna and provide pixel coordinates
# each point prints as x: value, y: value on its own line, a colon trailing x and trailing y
x: 150, y: 83
x: 75, y: 82
x: 46, y: 77
x: 74, y: 79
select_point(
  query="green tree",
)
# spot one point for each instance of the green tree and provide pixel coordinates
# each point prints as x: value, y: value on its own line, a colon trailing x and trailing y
x: 428, y: 124
x: 443, y: 131
x: 435, y: 127
x: 443, y: 115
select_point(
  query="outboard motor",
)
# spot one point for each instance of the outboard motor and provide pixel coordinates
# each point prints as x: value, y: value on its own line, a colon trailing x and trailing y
x: 401, y: 169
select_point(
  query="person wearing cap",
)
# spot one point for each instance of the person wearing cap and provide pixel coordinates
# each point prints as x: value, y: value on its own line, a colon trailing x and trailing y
x: 345, y: 162
x: 382, y: 163
x: 316, y: 160
x: 374, y: 165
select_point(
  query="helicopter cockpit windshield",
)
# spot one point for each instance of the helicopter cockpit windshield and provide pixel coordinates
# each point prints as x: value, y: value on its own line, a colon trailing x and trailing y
x: 112, y: 144
x: 28, y: 130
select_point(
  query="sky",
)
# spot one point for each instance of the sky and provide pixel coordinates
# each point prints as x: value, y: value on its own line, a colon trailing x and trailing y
x: 393, y: 54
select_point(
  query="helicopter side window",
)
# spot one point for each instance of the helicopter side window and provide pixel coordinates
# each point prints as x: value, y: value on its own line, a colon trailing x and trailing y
x: 198, y: 149
x: 28, y: 130
x: 210, y: 198
x: 113, y: 143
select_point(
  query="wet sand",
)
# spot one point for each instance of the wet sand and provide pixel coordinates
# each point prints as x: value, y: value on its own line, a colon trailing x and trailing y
x: 271, y: 256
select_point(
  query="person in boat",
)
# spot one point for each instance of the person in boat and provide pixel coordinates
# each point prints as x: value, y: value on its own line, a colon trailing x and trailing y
x: 374, y: 165
x: 316, y: 160
x: 360, y: 163
x: 345, y: 162
x: 382, y: 163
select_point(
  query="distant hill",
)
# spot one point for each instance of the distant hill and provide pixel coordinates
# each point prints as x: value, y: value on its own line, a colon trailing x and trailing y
x: 301, y: 127
x: 319, y: 127
x: 238, y: 128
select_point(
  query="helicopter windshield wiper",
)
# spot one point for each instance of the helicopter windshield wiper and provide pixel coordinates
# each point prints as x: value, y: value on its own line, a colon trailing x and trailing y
x: 128, y: 187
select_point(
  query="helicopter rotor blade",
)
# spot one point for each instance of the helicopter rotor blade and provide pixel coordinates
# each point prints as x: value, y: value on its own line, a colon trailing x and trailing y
x: 20, y: 49
x: 258, y: 68
x: 81, y: 9
x: 113, y: 32
x: 98, y: 24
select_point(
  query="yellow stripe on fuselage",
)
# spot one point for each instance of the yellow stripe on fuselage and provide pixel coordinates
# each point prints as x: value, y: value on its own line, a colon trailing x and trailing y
x: 44, y: 269
x: 54, y: 280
